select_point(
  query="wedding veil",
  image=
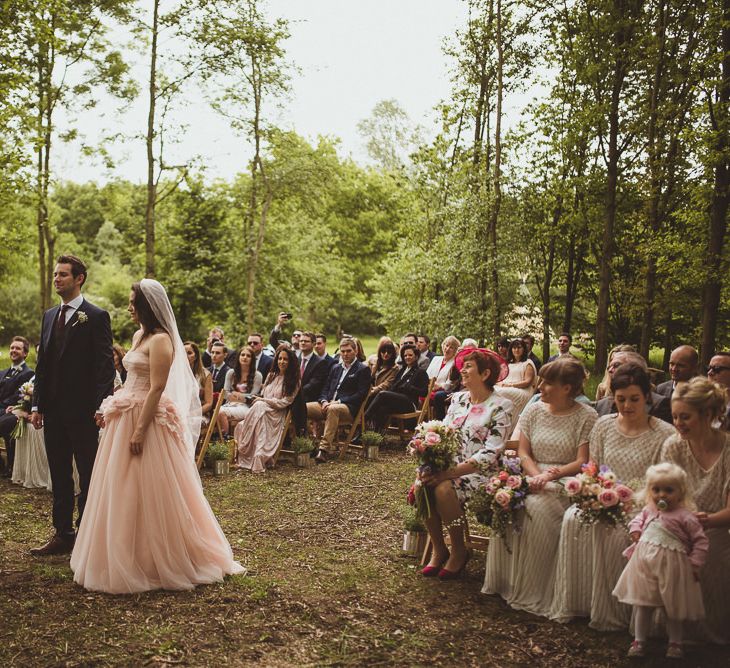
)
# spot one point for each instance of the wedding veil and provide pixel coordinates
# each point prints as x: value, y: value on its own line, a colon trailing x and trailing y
x: 182, y: 387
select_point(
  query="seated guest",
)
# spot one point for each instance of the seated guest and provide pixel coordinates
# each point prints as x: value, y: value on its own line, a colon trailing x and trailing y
x: 121, y: 373
x: 372, y: 360
x: 11, y: 379
x: 320, y: 347
x: 683, y: 365
x: 346, y: 388
x: 503, y: 348
x: 659, y: 406
x: 704, y: 453
x: 424, y: 347
x: 590, y: 559
x: 564, y: 342
x: 275, y: 335
x: 258, y: 434
x: 412, y: 340
x: 483, y: 419
x: 215, y: 334
x: 218, y: 369
x: 242, y: 381
x: 553, y: 444
x: 440, y: 369
x: 360, y: 355
x: 384, y: 370
x: 529, y: 341
x: 604, y: 387
x: 263, y: 361
x: 409, y: 384
x: 202, y: 375
x: 520, y: 384
x: 718, y: 372
x: 313, y: 369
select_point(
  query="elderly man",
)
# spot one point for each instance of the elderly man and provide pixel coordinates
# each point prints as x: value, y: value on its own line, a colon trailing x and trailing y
x: 719, y: 372
x: 660, y: 406
x: 683, y: 365
x: 347, y: 386
x: 11, y: 379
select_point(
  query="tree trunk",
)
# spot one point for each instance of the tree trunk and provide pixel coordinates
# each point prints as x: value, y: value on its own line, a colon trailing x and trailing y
x: 149, y: 225
x: 545, y: 292
x: 719, y: 206
x: 496, y: 315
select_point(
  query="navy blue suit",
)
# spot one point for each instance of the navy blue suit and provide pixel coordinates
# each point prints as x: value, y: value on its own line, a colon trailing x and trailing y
x: 353, y: 389
x: 9, y: 396
x: 264, y: 365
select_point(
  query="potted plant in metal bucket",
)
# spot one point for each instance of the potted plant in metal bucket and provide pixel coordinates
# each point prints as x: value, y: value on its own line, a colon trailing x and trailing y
x: 303, y: 446
x: 219, y: 457
x: 371, y: 442
x: 414, y: 533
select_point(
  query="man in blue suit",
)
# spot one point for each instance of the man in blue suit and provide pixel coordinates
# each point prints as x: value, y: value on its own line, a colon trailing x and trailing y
x: 11, y: 380
x: 347, y: 386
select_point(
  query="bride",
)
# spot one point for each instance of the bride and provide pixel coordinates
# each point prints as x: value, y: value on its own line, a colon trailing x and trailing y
x: 147, y: 523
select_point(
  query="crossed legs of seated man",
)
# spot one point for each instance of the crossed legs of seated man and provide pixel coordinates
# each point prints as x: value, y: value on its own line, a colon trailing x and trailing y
x: 333, y: 415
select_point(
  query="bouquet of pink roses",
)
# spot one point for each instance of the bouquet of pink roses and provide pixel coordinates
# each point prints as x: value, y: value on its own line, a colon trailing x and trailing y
x: 599, y: 495
x: 21, y: 410
x: 435, y: 446
x: 497, y: 501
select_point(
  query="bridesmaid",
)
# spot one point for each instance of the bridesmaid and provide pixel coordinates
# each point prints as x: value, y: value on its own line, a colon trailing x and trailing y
x: 553, y: 443
x: 590, y: 559
x: 519, y: 386
x: 704, y: 453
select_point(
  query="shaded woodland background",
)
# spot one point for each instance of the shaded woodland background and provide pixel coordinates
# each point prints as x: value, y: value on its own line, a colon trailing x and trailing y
x: 604, y: 212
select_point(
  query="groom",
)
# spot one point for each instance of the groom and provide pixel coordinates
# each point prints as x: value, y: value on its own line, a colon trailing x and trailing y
x: 74, y: 372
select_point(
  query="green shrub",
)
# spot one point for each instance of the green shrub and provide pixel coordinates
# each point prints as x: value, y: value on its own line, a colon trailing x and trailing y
x: 410, y: 521
x: 218, y: 452
x: 372, y: 438
x: 303, y: 444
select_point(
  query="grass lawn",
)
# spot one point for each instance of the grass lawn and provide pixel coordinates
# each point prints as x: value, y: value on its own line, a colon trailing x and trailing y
x: 327, y: 586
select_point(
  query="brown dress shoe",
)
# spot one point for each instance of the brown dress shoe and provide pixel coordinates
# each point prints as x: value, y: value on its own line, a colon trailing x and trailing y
x: 57, y: 545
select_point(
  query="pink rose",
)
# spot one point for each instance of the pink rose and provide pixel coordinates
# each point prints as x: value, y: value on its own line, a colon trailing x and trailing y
x: 416, y: 442
x: 459, y: 421
x: 608, y: 484
x: 514, y: 481
x: 624, y: 493
x: 503, y: 498
x: 572, y: 486
x: 432, y: 438
x: 503, y: 475
x: 608, y: 498
x: 477, y: 410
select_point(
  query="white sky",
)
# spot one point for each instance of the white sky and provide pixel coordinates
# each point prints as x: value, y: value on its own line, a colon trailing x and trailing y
x: 351, y: 55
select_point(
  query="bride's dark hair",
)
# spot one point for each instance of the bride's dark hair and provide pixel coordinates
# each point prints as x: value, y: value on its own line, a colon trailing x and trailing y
x: 144, y: 312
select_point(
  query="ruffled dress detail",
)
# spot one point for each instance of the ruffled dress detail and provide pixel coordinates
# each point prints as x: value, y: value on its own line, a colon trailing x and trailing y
x: 147, y: 524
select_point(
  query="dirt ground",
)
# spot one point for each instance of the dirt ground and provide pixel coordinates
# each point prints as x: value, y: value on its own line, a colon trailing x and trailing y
x: 327, y: 586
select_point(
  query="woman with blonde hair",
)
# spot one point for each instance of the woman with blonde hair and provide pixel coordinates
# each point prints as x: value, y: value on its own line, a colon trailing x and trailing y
x: 440, y: 369
x: 703, y: 451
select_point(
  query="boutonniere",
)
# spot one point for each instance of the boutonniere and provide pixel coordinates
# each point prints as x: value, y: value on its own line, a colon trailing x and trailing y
x: 80, y: 318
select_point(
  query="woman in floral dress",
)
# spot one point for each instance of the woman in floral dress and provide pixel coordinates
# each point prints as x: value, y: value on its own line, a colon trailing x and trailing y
x: 483, y: 419
x: 553, y: 444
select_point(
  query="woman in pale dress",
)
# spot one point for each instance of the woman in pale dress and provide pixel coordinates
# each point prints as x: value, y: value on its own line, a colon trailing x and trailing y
x: 204, y: 378
x: 241, y: 380
x: 257, y: 435
x: 703, y: 451
x: 440, y: 369
x: 590, y: 559
x: 520, y: 384
x: 483, y: 419
x: 553, y: 444
x: 147, y: 523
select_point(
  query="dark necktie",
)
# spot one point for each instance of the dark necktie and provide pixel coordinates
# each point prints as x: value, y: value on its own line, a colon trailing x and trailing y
x: 304, y: 366
x: 61, y: 323
x: 13, y: 372
x: 215, y: 374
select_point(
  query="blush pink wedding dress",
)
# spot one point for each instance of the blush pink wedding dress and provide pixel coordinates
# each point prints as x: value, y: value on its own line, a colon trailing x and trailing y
x: 147, y: 524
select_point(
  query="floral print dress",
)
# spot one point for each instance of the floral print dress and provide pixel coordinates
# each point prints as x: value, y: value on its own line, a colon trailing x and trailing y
x: 483, y: 429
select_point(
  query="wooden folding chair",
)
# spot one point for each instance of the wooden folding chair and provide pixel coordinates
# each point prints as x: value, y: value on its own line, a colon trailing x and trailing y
x: 212, y: 426
x: 359, y: 421
x: 419, y: 416
x: 472, y: 542
x: 289, y: 430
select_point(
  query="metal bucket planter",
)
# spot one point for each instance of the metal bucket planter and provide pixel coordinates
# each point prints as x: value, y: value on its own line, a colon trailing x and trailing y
x: 303, y: 460
x: 221, y: 467
x: 414, y: 543
x: 371, y: 452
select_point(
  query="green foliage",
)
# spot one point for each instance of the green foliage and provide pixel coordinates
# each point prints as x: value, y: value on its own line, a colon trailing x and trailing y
x: 372, y: 438
x: 303, y: 444
x: 217, y: 452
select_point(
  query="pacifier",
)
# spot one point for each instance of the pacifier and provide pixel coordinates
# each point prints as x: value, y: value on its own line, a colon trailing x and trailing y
x: 662, y: 504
